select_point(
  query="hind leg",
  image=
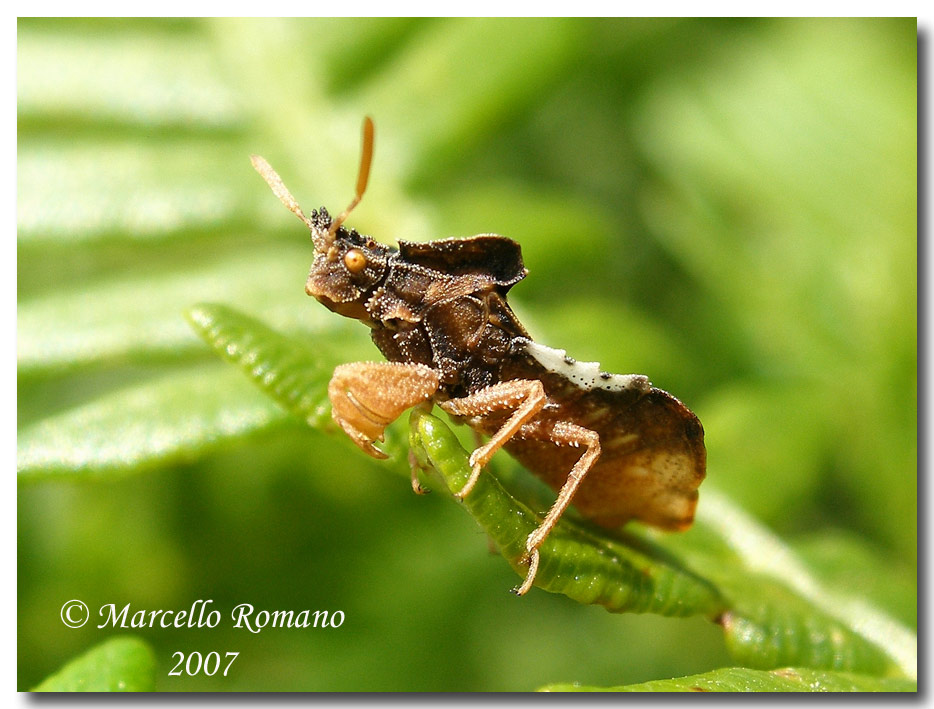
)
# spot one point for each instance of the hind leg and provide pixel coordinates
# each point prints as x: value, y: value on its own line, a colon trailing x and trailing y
x: 560, y: 433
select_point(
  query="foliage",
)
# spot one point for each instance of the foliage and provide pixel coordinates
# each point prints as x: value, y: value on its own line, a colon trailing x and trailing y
x: 773, y: 615
x: 123, y: 664
x: 727, y: 206
x: 735, y: 679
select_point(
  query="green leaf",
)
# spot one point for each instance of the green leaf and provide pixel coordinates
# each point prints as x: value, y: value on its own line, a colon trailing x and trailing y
x: 139, y: 316
x: 293, y: 375
x: 773, y: 611
x: 588, y: 569
x: 293, y: 371
x: 740, y: 679
x: 154, y: 423
x: 733, y: 213
x: 65, y: 196
x: 780, y: 614
x: 574, y: 561
x: 121, y: 76
x: 122, y: 664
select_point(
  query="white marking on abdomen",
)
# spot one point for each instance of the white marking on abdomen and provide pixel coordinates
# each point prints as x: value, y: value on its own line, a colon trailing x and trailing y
x: 586, y: 375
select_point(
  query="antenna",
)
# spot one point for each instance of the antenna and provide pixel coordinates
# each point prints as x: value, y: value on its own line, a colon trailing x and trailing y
x: 363, y: 177
x: 278, y: 188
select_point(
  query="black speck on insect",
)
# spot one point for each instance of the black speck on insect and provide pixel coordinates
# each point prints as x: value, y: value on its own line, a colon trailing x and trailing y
x: 569, y: 360
x: 605, y: 375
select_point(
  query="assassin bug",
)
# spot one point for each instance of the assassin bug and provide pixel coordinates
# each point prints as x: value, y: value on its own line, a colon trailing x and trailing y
x: 612, y: 444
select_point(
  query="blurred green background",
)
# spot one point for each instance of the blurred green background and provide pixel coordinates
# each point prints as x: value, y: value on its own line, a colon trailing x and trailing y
x: 728, y: 206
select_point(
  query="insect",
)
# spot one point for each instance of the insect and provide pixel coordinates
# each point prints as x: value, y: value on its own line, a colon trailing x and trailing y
x: 614, y: 445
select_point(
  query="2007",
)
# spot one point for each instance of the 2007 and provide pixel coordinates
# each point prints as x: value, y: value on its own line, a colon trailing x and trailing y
x: 208, y: 664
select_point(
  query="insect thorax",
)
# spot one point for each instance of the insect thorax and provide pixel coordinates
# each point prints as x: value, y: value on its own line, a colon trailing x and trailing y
x: 466, y: 339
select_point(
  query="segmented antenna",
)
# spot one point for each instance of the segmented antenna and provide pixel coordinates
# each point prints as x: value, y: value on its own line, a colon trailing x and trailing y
x: 278, y: 188
x: 363, y: 176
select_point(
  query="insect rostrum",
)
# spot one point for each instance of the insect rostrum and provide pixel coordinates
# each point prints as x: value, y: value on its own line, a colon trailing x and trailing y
x: 614, y: 445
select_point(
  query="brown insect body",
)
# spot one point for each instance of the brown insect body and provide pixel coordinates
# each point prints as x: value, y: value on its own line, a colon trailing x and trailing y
x: 618, y: 447
x: 652, y: 457
x: 441, y: 303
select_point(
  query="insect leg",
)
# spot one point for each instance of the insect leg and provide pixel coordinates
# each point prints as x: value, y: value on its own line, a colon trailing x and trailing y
x: 368, y: 396
x: 561, y: 433
x: 525, y: 396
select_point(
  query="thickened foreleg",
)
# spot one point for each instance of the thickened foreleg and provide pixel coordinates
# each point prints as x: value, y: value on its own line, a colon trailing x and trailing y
x: 368, y: 396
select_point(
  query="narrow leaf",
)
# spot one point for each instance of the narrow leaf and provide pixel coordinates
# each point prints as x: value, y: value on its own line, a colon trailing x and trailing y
x: 156, y: 422
x: 294, y: 371
x: 780, y: 614
x: 574, y: 561
x: 143, y: 79
x: 138, y: 316
x: 80, y: 192
x: 291, y: 374
x: 773, y: 613
x: 122, y: 664
x: 741, y: 679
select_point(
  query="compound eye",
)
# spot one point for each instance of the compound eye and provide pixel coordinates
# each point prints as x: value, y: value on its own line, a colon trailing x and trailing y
x: 354, y: 260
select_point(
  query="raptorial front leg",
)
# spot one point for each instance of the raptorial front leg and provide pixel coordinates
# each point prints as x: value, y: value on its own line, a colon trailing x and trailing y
x: 561, y: 433
x: 368, y: 396
x: 525, y: 396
